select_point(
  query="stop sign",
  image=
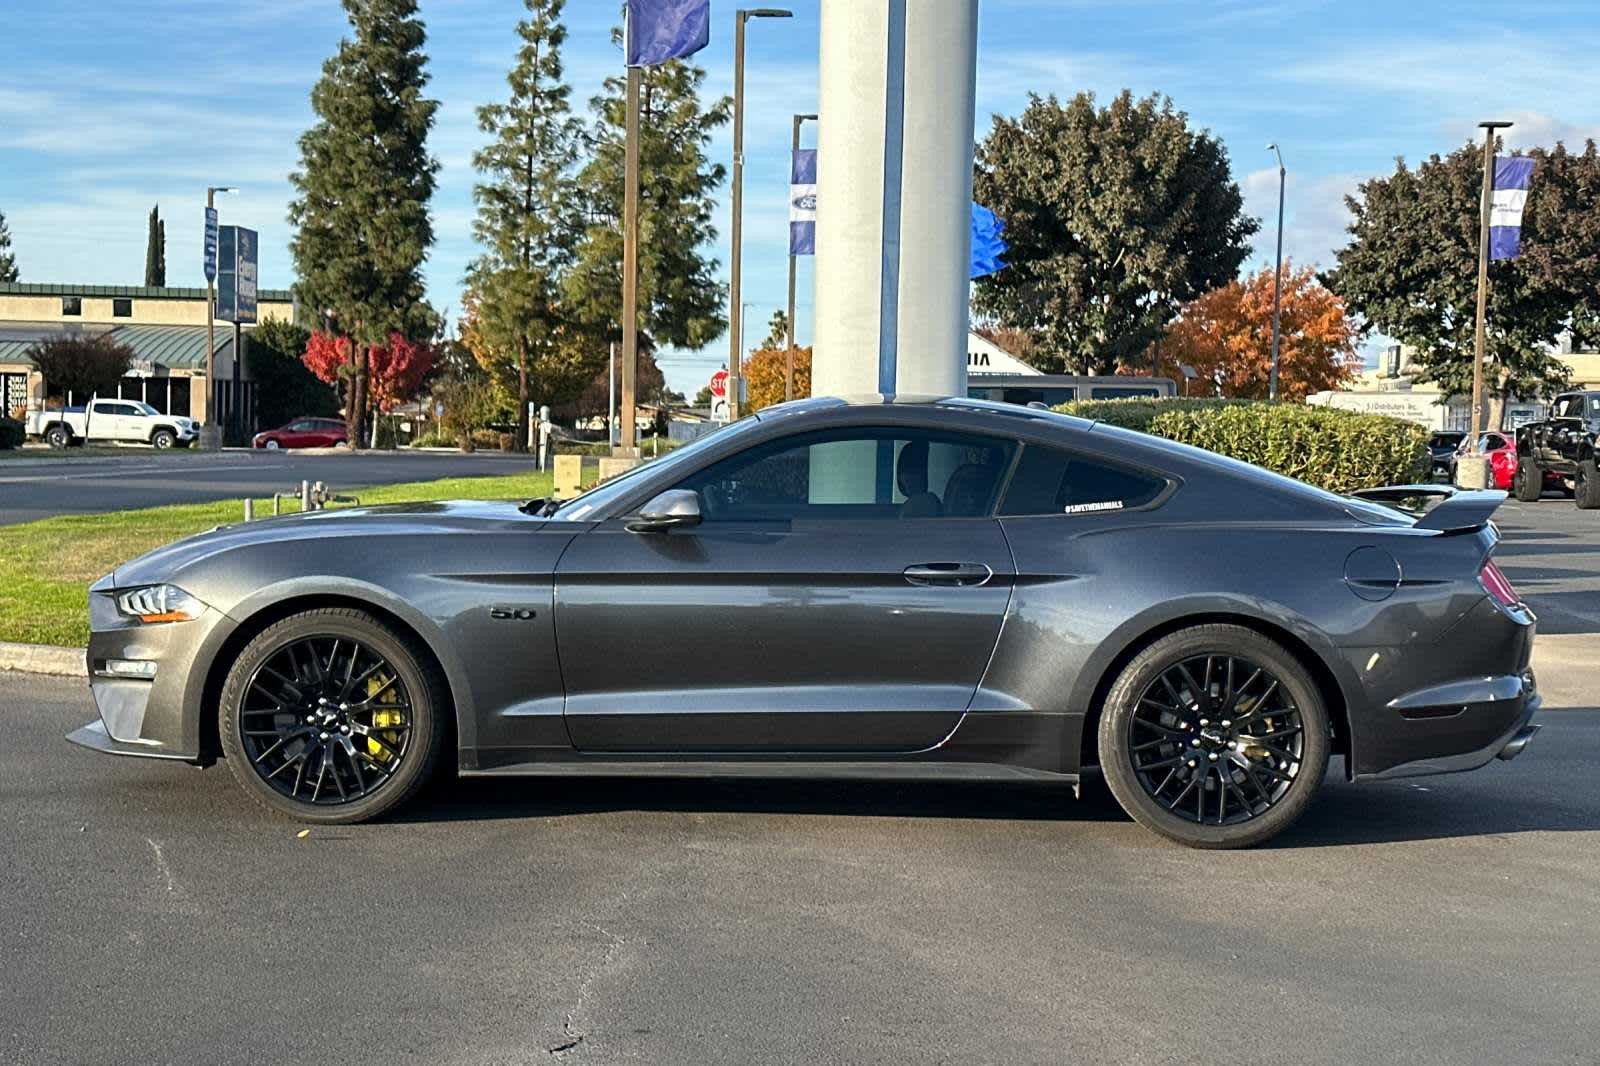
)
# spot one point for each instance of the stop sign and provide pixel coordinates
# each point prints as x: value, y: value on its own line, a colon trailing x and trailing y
x: 719, y: 383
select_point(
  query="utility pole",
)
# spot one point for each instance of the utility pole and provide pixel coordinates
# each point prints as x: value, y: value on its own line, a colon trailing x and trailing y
x: 1479, y: 341
x: 788, y: 364
x: 1277, y: 280
x: 630, y: 271
x: 735, y: 311
x: 211, y: 431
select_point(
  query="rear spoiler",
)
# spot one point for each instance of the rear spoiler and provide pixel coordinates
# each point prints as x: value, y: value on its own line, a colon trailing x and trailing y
x: 1457, y: 511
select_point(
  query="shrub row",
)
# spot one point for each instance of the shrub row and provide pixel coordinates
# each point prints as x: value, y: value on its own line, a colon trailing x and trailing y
x: 12, y: 433
x: 1341, y: 451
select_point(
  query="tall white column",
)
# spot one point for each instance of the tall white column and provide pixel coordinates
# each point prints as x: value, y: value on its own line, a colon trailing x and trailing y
x: 894, y: 193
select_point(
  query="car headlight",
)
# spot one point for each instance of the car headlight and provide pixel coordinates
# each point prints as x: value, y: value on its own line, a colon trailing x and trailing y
x: 159, y: 603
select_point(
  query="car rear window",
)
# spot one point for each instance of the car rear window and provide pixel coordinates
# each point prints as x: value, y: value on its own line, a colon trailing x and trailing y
x: 1052, y: 481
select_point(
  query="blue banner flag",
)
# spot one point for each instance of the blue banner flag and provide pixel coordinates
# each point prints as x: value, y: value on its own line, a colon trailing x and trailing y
x: 803, y: 202
x: 662, y: 30
x: 987, y: 243
x: 1512, y: 175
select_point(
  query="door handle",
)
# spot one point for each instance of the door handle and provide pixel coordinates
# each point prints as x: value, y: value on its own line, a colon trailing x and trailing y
x: 954, y: 574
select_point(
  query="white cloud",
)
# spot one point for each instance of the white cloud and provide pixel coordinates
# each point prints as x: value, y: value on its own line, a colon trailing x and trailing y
x: 1315, y: 216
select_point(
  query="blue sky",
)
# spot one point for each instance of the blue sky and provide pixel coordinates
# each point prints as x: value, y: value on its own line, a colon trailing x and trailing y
x: 108, y: 106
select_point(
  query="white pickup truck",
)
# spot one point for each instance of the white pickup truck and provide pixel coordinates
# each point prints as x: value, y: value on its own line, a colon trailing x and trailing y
x: 112, y: 420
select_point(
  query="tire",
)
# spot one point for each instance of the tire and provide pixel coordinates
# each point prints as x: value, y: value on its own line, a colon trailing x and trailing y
x: 1529, y: 482
x: 254, y: 740
x: 1132, y: 721
x: 162, y: 439
x: 1587, y: 486
x: 58, y: 436
x: 272, y: 446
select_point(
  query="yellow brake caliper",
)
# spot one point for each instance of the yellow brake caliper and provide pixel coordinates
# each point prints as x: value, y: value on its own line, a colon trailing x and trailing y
x: 383, y: 719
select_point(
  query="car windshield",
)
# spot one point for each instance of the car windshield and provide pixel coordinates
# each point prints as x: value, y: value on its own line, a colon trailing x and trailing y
x: 586, y: 507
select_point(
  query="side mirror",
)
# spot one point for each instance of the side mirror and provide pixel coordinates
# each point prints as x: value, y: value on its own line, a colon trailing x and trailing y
x: 675, y: 507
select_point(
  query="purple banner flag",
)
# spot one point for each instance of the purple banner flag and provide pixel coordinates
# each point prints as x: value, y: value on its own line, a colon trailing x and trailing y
x: 803, y: 202
x: 663, y: 30
x: 1512, y: 175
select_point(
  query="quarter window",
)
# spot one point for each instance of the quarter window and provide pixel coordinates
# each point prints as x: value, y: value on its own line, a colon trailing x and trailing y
x: 852, y: 474
x: 1052, y: 481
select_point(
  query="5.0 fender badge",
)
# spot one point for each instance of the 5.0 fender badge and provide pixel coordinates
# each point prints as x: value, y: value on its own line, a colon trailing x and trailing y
x: 513, y: 614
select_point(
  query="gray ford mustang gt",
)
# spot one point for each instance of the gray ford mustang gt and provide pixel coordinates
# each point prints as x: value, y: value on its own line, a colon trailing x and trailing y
x: 905, y: 587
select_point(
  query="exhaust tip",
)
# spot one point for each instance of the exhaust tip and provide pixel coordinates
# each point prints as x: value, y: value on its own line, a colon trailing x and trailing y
x: 1518, y: 742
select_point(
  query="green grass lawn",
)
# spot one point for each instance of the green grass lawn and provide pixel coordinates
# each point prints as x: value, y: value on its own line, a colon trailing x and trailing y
x: 45, y: 566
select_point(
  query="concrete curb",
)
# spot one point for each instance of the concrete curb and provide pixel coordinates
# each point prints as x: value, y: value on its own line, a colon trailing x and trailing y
x: 43, y: 659
x: 1567, y: 665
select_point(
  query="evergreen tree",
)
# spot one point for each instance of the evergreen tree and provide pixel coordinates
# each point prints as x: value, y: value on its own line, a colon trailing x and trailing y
x: 681, y: 302
x: 365, y: 179
x: 8, y: 261
x: 155, y: 251
x: 1411, y: 270
x: 1116, y: 217
x: 527, y: 224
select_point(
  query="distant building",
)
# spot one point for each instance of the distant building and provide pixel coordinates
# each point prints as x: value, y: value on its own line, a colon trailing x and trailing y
x: 165, y: 328
x: 1392, y: 388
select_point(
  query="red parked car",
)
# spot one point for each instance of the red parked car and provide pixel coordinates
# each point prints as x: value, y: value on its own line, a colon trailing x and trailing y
x: 304, y: 433
x: 1501, y: 450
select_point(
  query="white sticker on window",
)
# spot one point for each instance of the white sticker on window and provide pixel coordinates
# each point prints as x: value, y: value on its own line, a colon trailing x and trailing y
x: 1081, y: 508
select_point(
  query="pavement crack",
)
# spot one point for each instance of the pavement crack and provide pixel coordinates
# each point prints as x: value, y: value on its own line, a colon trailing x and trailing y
x: 574, y: 1033
x: 161, y: 864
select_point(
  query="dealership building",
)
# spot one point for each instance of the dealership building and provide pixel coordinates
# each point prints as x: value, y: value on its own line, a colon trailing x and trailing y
x: 1395, y: 388
x: 165, y: 328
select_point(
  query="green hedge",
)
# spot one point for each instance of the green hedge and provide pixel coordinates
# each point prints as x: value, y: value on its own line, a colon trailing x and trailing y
x: 1138, y: 414
x: 12, y: 433
x: 1341, y: 451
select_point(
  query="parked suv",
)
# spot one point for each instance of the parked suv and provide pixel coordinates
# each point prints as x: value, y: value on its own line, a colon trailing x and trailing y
x: 1562, y: 449
x: 1442, y: 445
x: 125, y: 421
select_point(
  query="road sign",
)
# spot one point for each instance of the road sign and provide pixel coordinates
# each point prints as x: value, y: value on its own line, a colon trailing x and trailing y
x: 236, y: 274
x: 719, y: 409
x: 719, y: 383
x: 211, y: 245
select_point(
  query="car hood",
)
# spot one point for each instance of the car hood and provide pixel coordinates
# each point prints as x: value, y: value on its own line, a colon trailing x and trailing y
x: 407, y: 519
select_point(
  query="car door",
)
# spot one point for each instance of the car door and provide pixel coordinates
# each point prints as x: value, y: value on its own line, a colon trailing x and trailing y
x: 843, y: 593
x: 107, y: 420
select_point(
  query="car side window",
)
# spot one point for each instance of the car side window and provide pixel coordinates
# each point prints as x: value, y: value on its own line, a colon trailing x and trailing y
x: 1054, y: 481
x: 885, y: 473
x: 301, y: 426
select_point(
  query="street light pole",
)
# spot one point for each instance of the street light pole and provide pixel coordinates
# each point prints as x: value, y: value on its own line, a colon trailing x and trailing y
x: 1483, y: 284
x: 736, y: 360
x: 211, y: 428
x: 788, y: 366
x: 1277, y: 280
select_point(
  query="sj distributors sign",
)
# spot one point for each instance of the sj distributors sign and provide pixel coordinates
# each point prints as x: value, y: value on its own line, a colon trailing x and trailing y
x: 237, y: 257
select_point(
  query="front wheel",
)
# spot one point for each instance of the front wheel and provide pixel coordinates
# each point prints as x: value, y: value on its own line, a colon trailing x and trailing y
x: 1529, y: 481
x: 162, y: 439
x: 272, y: 445
x: 1215, y: 737
x: 331, y: 717
x: 1586, y: 485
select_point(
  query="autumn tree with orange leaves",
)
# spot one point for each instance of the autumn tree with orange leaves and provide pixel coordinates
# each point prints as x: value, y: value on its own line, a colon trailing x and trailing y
x: 1226, y: 335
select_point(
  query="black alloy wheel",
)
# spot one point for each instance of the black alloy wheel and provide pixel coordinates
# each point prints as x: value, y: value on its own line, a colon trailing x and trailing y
x: 1217, y: 739
x: 330, y: 716
x: 1214, y: 736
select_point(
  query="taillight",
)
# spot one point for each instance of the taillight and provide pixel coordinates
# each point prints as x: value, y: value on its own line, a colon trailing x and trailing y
x: 1495, y: 583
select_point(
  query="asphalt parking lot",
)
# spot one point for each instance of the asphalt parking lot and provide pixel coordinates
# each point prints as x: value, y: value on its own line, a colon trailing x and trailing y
x: 153, y: 914
x: 33, y: 488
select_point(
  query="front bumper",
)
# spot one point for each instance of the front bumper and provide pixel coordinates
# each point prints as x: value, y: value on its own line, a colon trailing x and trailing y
x: 158, y: 718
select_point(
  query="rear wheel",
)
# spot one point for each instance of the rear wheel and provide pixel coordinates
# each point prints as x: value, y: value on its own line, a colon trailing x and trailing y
x: 1586, y: 486
x: 58, y: 436
x: 1215, y: 737
x: 331, y: 717
x: 1529, y: 481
